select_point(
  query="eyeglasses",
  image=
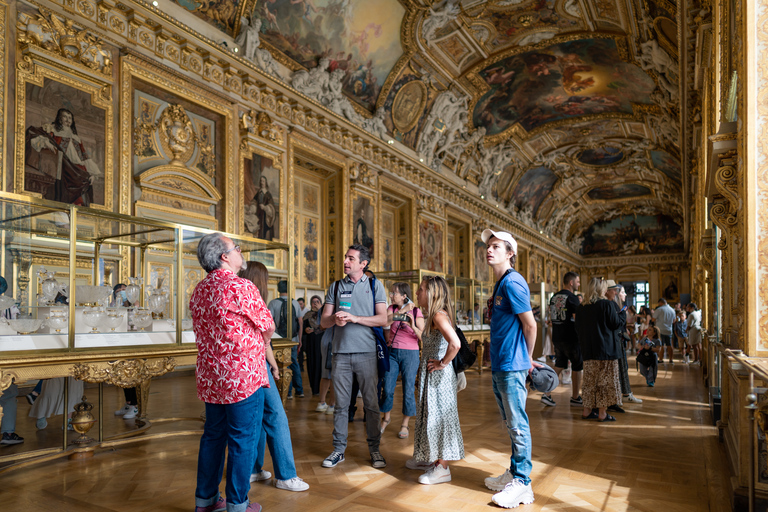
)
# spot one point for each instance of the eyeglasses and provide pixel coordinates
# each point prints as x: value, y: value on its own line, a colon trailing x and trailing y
x: 235, y: 248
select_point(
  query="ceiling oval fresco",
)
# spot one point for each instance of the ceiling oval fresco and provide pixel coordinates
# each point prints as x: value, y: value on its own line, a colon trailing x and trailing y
x: 533, y: 187
x: 667, y: 164
x: 601, y: 156
x: 633, y: 234
x: 361, y: 37
x: 618, y: 192
x: 563, y: 81
x: 537, y: 15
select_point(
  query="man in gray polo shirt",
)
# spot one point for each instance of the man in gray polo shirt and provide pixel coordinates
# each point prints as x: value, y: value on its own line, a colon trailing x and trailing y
x: 664, y: 316
x: 351, y: 313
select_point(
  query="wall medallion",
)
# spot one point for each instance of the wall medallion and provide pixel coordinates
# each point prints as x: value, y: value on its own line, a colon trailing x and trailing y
x: 408, y: 105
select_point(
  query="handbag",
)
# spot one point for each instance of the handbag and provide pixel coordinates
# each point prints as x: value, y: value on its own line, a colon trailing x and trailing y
x: 464, y: 357
x: 382, y: 350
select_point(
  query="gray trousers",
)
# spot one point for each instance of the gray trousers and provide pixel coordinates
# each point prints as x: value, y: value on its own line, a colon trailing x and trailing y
x: 8, y: 403
x: 363, y: 366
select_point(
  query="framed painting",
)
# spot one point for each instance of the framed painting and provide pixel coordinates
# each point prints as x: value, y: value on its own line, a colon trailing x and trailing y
x: 363, y: 222
x: 262, y: 180
x: 64, y: 135
x: 669, y: 285
x: 431, y: 246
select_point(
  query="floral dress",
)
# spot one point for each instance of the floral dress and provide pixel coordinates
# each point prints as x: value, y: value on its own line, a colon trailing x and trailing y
x: 438, y: 433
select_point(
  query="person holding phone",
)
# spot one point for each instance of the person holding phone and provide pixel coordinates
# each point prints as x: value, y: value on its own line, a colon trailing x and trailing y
x: 406, y: 323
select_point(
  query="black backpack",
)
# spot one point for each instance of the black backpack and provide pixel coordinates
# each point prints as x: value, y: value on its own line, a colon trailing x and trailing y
x: 282, y: 322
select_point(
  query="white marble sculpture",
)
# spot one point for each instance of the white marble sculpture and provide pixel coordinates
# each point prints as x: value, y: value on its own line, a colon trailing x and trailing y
x: 375, y: 125
x: 536, y: 37
x: 439, y: 16
x: 313, y: 83
x: 654, y: 57
x: 664, y: 129
x: 572, y: 8
x: 249, y: 41
x: 494, y: 160
x: 446, y: 111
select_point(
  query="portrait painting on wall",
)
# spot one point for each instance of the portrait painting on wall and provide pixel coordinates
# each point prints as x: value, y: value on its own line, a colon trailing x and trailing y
x: 359, y: 37
x: 450, y: 255
x: 667, y: 164
x: 633, y: 234
x: 533, y: 187
x: 669, y: 282
x: 362, y: 224
x: 618, y: 192
x: 601, y: 156
x: 562, y: 81
x: 482, y: 269
x: 65, y: 144
x: 261, y: 195
x: 430, y: 246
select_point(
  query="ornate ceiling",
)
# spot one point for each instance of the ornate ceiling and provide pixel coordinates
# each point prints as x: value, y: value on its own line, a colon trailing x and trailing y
x: 564, y: 112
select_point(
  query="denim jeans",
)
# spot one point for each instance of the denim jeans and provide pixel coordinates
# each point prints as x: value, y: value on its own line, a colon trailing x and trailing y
x: 363, y: 366
x: 234, y: 426
x: 406, y: 363
x: 8, y: 403
x: 275, y: 431
x: 296, y: 379
x: 510, y: 392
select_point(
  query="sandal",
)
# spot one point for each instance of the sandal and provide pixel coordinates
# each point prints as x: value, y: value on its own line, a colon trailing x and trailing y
x: 404, y: 430
x: 384, y: 424
x: 592, y: 416
x: 608, y: 417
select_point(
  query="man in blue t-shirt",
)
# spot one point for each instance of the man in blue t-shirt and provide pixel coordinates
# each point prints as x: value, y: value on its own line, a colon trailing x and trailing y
x: 513, y: 336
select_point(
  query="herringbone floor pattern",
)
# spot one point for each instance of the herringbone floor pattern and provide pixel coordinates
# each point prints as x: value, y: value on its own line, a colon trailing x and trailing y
x: 662, y: 455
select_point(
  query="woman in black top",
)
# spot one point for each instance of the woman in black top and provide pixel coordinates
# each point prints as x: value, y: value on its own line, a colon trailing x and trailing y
x: 597, y: 321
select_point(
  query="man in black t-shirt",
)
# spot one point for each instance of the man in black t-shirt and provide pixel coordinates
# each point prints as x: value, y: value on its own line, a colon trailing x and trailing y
x: 562, y: 313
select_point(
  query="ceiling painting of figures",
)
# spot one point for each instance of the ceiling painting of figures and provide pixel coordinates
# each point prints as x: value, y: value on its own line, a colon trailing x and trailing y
x: 601, y: 156
x: 563, y: 81
x: 533, y: 187
x: 222, y: 14
x: 536, y: 16
x: 361, y: 37
x: 618, y: 192
x: 667, y: 164
x: 633, y: 234
x: 589, y: 131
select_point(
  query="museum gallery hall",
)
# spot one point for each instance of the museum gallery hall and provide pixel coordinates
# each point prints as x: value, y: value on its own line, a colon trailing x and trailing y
x: 615, y: 147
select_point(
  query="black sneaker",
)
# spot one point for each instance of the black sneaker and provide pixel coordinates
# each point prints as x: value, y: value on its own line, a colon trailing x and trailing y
x: 377, y: 461
x: 31, y: 397
x: 577, y: 402
x: 11, y: 438
x: 333, y: 459
x: 615, y: 408
x: 547, y: 400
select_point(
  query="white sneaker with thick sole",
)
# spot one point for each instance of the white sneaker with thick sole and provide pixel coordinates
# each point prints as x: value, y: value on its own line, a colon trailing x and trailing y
x: 131, y: 413
x: 633, y: 399
x: 295, y: 484
x: 498, y: 483
x: 413, y: 464
x: 124, y: 409
x: 330, y: 410
x: 437, y: 474
x: 321, y: 407
x: 260, y: 476
x: 514, y: 494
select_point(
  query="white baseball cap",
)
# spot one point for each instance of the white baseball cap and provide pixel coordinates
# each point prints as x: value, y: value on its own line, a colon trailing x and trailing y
x: 501, y: 235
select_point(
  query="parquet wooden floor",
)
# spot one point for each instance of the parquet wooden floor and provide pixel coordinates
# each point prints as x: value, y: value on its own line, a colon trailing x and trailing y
x: 662, y: 455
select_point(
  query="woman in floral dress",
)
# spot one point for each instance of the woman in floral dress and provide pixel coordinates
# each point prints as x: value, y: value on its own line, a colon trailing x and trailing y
x: 437, y: 436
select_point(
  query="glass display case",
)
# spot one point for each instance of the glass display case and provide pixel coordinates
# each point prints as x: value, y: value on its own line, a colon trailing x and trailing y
x: 62, y: 263
x: 541, y: 293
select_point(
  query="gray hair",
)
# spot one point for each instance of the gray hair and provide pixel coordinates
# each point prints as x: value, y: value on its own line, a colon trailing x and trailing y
x: 209, y: 251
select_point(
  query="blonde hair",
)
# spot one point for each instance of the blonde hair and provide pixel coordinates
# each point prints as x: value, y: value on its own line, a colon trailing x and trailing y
x: 438, y: 299
x: 595, y: 290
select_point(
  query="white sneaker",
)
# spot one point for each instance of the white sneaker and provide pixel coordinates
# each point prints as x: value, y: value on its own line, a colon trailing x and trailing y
x: 514, y: 494
x: 321, y: 407
x: 633, y: 399
x: 124, y: 409
x: 131, y: 413
x: 295, y: 484
x: 498, y: 483
x: 260, y: 476
x: 329, y: 410
x: 437, y: 474
x: 413, y: 464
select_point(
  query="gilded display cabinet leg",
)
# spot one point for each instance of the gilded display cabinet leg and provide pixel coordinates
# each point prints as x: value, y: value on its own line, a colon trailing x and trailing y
x: 283, y: 358
x: 480, y: 354
x: 142, y: 395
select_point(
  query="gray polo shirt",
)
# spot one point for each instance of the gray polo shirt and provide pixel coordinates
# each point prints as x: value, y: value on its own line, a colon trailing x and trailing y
x: 276, y: 305
x: 356, y: 299
x: 665, y: 317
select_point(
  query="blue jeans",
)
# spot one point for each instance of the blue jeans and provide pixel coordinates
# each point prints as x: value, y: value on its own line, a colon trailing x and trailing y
x: 510, y: 392
x: 406, y: 363
x: 296, y: 379
x: 234, y: 426
x: 8, y: 403
x: 275, y: 430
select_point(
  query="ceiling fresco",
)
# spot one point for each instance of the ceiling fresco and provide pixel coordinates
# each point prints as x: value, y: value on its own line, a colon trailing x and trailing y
x: 360, y: 37
x: 563, y: 81
x: 576, y: 101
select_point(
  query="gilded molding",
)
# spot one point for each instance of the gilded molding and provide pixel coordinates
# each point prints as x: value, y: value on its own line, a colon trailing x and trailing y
x: 125, y: 373
x: 761, y: 170
x: 3, y: 110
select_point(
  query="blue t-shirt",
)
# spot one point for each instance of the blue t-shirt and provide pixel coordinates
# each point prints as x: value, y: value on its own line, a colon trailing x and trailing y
x: 509, y: 352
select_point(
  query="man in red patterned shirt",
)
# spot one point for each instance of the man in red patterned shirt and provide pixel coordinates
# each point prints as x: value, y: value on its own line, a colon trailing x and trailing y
x: 232, y: 325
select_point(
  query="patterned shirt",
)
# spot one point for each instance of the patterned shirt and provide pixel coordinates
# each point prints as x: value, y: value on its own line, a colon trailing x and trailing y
x: 228, y: 317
